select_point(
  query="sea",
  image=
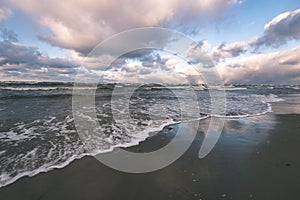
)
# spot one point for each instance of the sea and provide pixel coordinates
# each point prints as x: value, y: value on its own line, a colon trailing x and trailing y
x: 38, y: 131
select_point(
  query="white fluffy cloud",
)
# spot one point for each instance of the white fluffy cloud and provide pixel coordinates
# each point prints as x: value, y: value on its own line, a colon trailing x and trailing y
x: 279, y: 68
x: 80, y: 25
x: 278, y: 31
x: 282, y: 28
x: 197, y: 54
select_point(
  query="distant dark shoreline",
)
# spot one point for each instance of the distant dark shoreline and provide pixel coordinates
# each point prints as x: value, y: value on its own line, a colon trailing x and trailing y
x: 71, y: 83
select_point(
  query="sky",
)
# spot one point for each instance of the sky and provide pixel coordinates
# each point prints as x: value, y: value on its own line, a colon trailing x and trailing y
x: 248, y: 41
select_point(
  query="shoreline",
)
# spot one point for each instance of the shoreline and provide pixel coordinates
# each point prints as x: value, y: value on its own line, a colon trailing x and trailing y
x: 126, y: 146
x: 188, y: 177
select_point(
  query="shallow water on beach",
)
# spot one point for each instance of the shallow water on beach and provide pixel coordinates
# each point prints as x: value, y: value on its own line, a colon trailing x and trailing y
x: 37, y: 130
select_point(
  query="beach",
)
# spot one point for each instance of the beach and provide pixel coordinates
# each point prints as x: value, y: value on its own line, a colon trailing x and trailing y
x: 255, y: 158
x: 149, y: 100
x: 43, y: 157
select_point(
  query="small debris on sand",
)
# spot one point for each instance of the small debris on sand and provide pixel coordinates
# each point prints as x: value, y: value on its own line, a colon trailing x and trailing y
x: 224, y: 195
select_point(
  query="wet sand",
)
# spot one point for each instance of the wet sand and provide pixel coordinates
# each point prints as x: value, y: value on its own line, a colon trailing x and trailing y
x: 255, y: 158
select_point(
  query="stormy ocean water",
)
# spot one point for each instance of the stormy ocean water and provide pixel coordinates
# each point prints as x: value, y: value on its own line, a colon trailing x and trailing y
x: 37, y: 130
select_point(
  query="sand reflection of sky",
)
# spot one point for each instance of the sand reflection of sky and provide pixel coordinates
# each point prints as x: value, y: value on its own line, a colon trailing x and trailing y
x: 290, y: 105
x: 240, y: 134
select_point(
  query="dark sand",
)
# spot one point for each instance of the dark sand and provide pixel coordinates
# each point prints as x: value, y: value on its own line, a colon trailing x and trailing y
x: 255, y: 158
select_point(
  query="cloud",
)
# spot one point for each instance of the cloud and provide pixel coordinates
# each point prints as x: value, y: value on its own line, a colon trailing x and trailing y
x: 152, y: 67
x: 229, y: 50
x: 8, y: 35
x: 282, y: 28
x: 277, y: 32
x: 139, y: 64
x: 80, y: 25
x: 197, y: 54
x: 4, y: 13
x: 28, y: 63
x: 278, y: 68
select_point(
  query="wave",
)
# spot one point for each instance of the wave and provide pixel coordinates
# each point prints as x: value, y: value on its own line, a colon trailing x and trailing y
x: 57, y: 134
x: 30, y: 88
x: 6, y: 178
x: 43, y: 88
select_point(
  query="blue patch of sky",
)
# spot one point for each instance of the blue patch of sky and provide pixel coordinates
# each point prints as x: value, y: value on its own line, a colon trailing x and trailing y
x: 245, y: 21
x: 27, y: 30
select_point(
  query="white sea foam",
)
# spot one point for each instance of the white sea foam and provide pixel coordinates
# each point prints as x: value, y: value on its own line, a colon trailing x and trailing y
x: 29, y: 88
x: 58, y: 145
x: 3, y: 108
x: 43, y: 88
x: 227, y: 88
x: 2, y: 152
x: 63, y: 159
